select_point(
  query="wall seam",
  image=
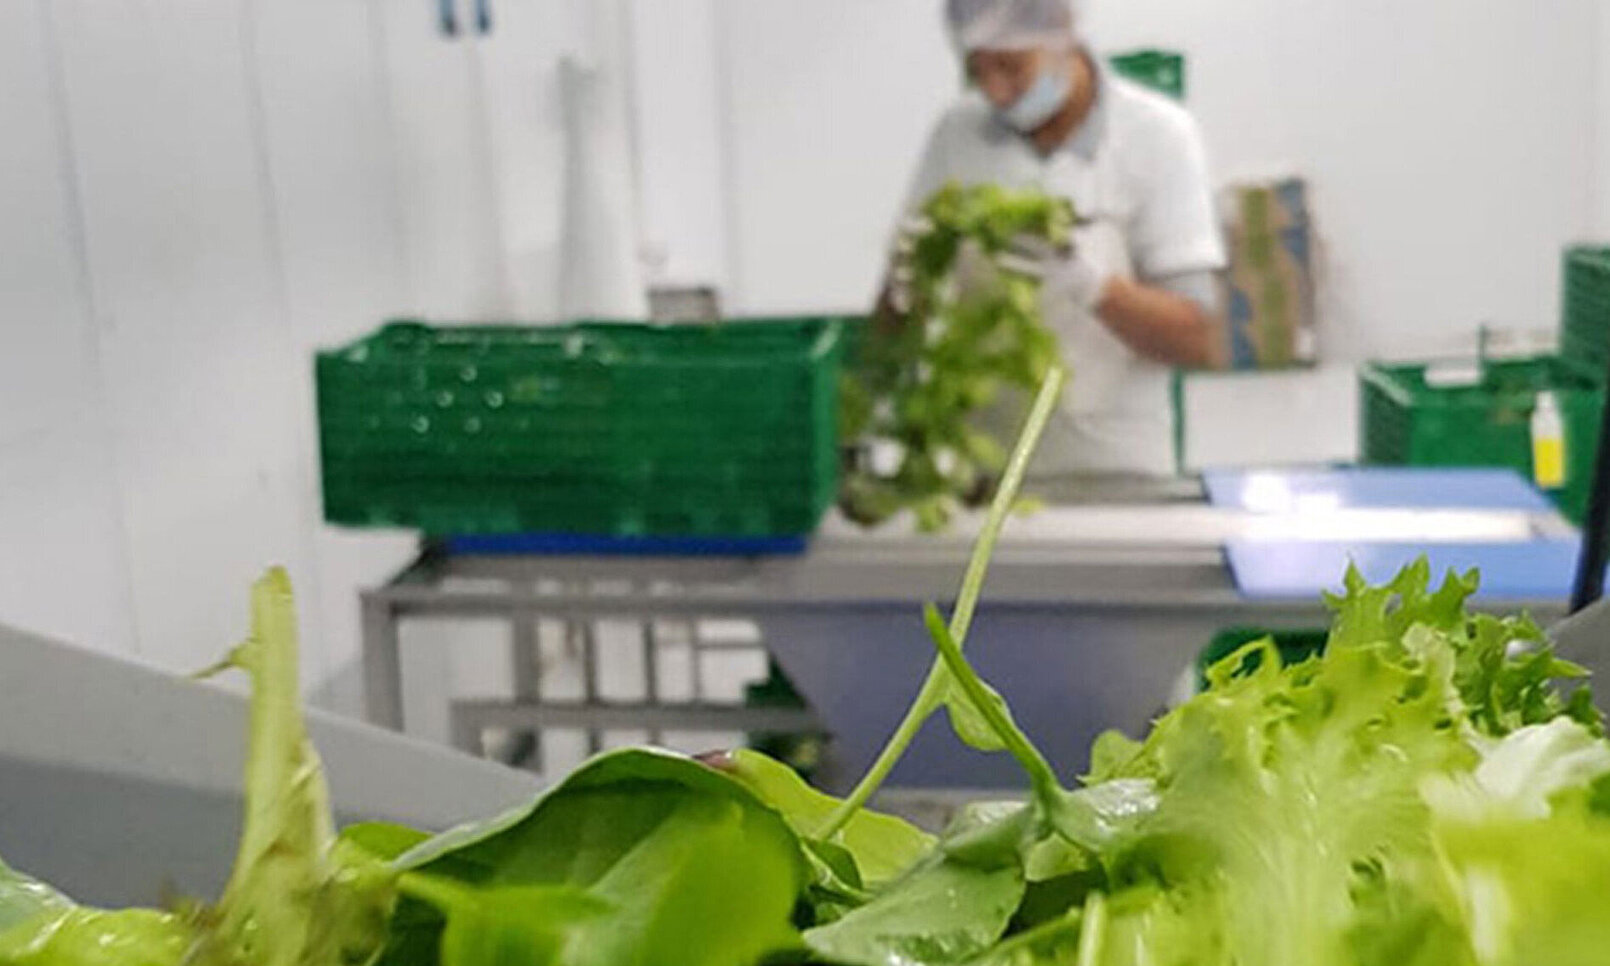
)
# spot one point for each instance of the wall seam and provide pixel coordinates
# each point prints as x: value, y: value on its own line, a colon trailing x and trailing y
x: 90, y: 303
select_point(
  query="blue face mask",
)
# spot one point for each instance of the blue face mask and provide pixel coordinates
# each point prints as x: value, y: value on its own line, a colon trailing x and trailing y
x: 1039, y: 103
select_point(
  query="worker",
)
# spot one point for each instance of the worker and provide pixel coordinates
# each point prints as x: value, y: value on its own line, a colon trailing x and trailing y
x: 1136, y: 293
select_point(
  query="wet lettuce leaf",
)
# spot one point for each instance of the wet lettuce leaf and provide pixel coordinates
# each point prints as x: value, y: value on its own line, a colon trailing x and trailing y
x: 639, y: 857
x: 942, y: 912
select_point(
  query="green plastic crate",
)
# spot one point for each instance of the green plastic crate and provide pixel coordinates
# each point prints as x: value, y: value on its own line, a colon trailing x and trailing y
x: 597, y: 428
x: 856, y: 332
x: 1585, y: 312
x: 1161, y: 70
x: 1405, y: 422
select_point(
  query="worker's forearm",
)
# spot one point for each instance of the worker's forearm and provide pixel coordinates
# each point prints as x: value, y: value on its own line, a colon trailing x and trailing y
x: 1162, y: 325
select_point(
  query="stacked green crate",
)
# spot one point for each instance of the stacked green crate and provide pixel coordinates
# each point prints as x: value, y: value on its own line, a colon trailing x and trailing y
x: 1585, y: 316
x: 1293, y: 646
x: 1408, y: 421
x: 1161, y: 70
x: 617, y: 429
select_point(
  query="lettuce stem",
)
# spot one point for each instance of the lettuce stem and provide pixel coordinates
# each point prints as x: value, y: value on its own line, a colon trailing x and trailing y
x: 934, y: 686
x: 1017, y: 743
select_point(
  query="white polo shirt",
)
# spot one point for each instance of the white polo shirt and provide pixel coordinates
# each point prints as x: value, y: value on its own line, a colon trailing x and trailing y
x: 1137, y: 169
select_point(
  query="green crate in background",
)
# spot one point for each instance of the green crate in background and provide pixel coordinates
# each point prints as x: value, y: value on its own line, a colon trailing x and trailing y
x: 1585, y: 308
x: 1406, y: 422
x: 1161, y: 70
x: 598, y: 428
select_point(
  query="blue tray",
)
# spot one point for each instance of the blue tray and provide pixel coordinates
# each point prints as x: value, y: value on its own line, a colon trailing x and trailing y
x: 1538, y: 570
x: 554, y: 544
x: 1376, y: 489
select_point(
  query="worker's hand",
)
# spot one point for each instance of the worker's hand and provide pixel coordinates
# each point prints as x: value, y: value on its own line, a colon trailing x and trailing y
x: 902, y: 271
x: 1060, y: 268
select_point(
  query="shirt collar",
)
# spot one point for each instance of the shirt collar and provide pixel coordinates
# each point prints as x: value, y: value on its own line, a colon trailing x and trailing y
x: 1086, y: 141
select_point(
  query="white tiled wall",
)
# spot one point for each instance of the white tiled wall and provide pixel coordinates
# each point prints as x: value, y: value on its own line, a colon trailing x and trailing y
x: 193, y: 196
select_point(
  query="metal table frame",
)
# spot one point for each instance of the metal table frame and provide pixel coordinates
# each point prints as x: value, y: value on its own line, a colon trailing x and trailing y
x: 1123, y: 573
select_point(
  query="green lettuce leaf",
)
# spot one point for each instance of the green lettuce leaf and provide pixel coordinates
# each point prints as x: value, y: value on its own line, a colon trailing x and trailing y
x: 678, y: 865
x: 883, y: 846
x: 23, y: 898
x: 41, y: 927
x: 870, y: 851
x: 1515, y: 843
x: 943, y: 912
x: 1507, y: 675
x: 1530, y: 891
x: 80, y: 936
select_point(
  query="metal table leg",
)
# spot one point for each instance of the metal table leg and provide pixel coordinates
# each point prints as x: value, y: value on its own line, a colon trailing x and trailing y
x: 651, y: 674
x: 465, y: 734
x: 526, y: 655
x: 587, y: 637
x: 382, y: 663
x: 696, y: 661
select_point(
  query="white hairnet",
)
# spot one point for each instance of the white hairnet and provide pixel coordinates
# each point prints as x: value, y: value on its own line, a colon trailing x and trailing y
x: 1009, y: 24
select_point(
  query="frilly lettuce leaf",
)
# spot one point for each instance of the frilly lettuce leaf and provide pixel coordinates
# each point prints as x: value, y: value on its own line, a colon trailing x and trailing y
x: 1524, y: 888
x: 1292, y: 825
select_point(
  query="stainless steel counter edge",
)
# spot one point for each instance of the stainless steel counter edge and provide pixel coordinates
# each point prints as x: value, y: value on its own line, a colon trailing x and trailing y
x: 76, y: 710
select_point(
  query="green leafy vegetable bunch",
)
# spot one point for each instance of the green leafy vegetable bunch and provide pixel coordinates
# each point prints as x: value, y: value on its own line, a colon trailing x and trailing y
x: 969, y: 330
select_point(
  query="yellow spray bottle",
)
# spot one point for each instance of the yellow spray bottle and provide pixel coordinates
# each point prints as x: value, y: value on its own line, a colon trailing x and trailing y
x: 1548, y: 443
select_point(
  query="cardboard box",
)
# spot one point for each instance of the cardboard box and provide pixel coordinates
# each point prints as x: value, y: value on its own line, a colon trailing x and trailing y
x: 1269, y: 289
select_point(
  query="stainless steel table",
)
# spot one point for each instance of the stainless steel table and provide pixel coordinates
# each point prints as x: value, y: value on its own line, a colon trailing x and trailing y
x: 1089, y: 616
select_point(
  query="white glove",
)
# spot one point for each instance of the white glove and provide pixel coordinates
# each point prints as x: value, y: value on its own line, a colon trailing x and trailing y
x: 1061, y: 269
